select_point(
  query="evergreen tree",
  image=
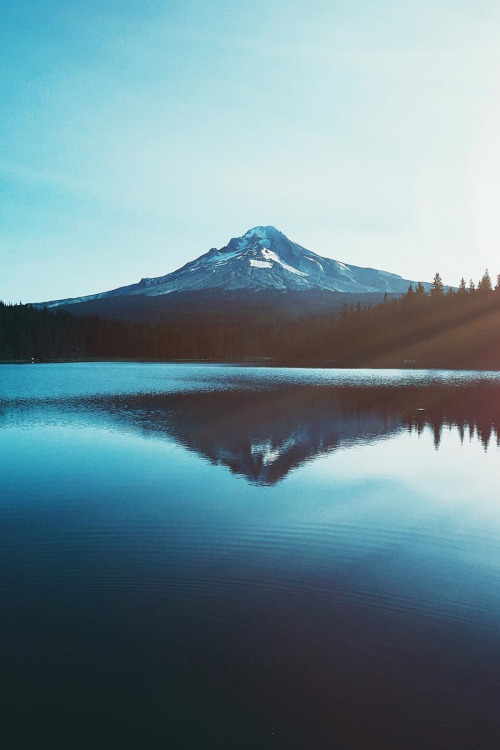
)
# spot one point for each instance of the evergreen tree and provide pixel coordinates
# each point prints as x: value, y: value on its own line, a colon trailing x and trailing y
x: 437, y: 286
x: 484, y: 285
x: 462, y: 289
x: 420, y: 291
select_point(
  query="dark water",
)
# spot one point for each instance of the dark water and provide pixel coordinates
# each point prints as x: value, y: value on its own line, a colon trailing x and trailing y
x: 217, y: 557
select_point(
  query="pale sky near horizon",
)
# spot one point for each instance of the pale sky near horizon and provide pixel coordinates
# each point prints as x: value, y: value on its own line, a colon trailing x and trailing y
x: 135, y: 136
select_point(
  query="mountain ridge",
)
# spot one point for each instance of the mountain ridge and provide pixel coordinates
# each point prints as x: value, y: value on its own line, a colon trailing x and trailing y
x: 261, y: 259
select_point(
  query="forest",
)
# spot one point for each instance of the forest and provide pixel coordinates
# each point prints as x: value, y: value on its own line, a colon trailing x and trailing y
x: 456, y: 328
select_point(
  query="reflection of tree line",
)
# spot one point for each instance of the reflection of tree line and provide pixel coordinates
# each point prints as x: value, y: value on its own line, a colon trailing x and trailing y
x: 471, y: 409
x: 264, y: 434
x: 475, y: 413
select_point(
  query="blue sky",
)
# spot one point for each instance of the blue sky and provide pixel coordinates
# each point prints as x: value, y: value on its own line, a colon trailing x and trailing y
x: 137, y: 135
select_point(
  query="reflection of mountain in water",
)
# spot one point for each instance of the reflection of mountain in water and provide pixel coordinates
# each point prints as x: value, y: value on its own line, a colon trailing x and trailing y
x: 262, y: 434
x: 265, y: 434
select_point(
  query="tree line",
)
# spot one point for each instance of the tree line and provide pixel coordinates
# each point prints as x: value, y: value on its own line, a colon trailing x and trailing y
x: 443, y: 328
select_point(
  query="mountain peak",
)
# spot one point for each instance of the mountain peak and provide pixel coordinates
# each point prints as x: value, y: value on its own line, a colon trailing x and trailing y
x: 262, y: 231
x: 264, y: 236
x: 262, y: 258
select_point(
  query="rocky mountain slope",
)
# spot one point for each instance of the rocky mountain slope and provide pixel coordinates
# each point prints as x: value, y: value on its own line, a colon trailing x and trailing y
x: 263, y: 259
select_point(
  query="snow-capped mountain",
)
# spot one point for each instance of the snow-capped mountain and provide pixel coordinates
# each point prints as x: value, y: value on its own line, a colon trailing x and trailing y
x: 262, y: 259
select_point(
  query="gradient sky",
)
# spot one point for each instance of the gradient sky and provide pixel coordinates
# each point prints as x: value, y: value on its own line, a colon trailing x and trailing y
x: 136, y: 135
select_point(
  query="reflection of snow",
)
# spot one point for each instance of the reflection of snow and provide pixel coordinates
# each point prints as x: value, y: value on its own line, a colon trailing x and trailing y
x: 270, y: 457
x: 266, y: 452
x: 269, y: 453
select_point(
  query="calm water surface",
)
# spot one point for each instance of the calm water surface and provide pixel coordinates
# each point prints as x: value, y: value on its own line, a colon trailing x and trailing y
x: 213, y: 557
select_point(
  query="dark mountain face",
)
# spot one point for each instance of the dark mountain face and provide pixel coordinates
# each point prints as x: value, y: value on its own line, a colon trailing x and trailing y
x: 262, y: 260
x: 242, y: 307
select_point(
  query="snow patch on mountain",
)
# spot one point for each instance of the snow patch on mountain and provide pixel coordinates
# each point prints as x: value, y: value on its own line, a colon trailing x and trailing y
x: 270, y: 255
x: 260, y: 263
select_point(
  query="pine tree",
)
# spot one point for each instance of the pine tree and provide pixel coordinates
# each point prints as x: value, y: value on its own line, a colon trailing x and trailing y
x: 437, y: 287
x: 420, y: 291
x: 484, y: 285
x: 462, y: 289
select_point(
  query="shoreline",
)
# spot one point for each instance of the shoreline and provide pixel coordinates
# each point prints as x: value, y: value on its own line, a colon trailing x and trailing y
x: 261, y: 362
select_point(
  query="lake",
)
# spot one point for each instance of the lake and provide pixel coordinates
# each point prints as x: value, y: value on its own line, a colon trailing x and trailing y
x: 207, y: 557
